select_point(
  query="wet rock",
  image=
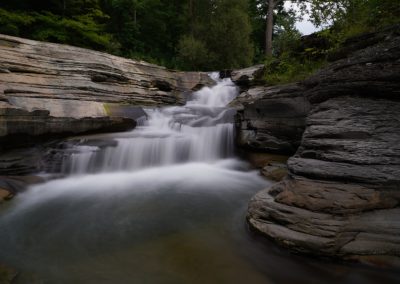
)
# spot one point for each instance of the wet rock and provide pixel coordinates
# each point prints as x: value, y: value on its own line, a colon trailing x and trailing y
x: 227, y: 73
x: 352, y: 236
x: 248, y: 76
x: 20, y: 161
x: 274, y: 171
x: 342, y: 194
x: 126, y: 111
x: 271, y: 119
x: 48, y: 89
x: 12, y: 185
x: 372, y: 71
x: 162, y: 85
x: 5, y: 195
x: 19, y: 127
x: 261, y: 159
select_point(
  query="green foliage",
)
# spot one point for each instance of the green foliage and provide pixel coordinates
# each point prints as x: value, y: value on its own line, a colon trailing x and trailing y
x: 257, y: 10
x: 287, y: 68
x: 295, y: 59
x: 81, y: 30
x: 195, y: 34
x: 367, y: 16
x: 193, y: 54
x: 352, y: 17
x: 11, y: 23
x: 220, y: 33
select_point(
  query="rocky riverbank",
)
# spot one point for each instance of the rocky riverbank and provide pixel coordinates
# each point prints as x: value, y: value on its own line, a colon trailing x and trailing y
x: 51, y: 89
x: 48, y: 91
x: 342, y: 193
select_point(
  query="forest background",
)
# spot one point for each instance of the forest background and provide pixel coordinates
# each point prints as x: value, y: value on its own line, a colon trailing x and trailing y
x: 200, y: 34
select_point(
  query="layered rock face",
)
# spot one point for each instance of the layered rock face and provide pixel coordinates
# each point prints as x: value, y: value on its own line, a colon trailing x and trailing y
x: 342, y: 194
x: 271, y: 119
x: 50, y: 88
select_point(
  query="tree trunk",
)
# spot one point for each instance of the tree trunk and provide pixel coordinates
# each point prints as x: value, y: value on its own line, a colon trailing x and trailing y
x: 269, y: 28
x: 191, y: 13
x: 134, y: 17
x: 64, y: 7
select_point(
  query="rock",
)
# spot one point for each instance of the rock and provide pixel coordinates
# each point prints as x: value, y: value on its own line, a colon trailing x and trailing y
x: 261, y: 159
x: 11, y: 185
x: 126, y: 111
x: 315, y: 43
x: 7, y: 274
x: 4, y: 195
x: 17, y: 162
x: 274, y: 171
x: 48, y: 89
x: 271, y: 119
x: 342, y: 194
x: 19, y: 127
x: 225, y: 73
x: 162, y: 85
x: 248, y: 76
x: 373, y: 71
x: 347, y: 236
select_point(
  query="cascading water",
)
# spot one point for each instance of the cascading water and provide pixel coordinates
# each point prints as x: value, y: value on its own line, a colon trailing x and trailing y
x: 164, y: 203
x: 202, y: 130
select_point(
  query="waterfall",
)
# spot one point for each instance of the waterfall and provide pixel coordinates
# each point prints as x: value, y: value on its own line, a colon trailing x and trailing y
x: 201, y: 130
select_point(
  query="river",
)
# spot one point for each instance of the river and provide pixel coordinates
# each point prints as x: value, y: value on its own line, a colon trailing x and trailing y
x: 164, y: 203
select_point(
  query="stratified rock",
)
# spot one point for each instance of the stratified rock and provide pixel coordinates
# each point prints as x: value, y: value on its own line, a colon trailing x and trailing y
x: 370, y: 72
x: 271, y: 119
x: 274, y: 171
x: 20, y: 127
x: 342, y: 194
x: 50, y: 88
x: 21, y: 161
x: 249, y: 76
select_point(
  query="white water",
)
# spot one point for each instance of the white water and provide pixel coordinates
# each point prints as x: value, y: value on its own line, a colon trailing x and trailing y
x: 202, y: 130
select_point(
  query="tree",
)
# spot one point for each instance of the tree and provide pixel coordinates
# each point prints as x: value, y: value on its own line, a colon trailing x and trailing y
x: 193, y: 53
x: 263, y: 21
x: 269, y: 28
x: 222, y: 27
